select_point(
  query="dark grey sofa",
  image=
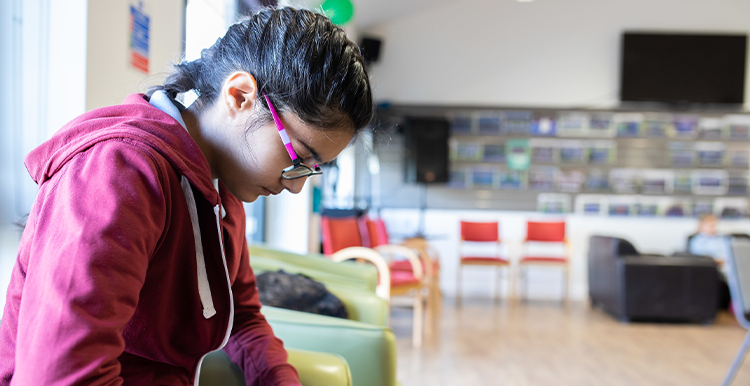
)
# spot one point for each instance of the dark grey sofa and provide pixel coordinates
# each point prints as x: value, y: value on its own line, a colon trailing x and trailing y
x: 631, y: 286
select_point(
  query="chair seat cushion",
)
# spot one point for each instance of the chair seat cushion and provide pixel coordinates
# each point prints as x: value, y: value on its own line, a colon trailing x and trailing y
x: 483, y: 260
x: 402, y: 278
x: 544, y: 259
x: 405, y: 265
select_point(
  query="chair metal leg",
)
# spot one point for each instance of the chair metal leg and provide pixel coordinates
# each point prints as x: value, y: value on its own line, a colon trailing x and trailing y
x: 498, y: 282
x: 512, y: 285
x: 458, y: 285
x: 738, y: 359
x: 565, y: 283
x: 418, y: 321
x: 525, y: 284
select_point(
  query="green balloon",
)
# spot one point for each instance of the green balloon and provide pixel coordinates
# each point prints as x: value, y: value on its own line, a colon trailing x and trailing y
x: 339, y: 11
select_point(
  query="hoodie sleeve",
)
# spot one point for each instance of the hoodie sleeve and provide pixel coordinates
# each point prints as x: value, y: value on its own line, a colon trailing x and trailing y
x: 101, y: 218
x: 252, y: 344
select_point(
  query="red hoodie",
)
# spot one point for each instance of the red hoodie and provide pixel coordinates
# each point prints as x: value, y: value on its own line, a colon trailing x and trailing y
x: 105, y: 289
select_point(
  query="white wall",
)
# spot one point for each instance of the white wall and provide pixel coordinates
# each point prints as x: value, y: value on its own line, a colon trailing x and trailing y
x: 58, y: 59
x: 287, y: 220
x: 109, y: 77
x: 555, y: 53
x: 651, y: 235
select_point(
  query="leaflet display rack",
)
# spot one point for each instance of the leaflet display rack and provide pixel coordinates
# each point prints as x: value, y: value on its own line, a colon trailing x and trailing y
x: 599, y: 162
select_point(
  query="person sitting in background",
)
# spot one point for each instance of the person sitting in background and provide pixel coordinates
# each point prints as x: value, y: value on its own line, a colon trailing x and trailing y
x: 707, y: 243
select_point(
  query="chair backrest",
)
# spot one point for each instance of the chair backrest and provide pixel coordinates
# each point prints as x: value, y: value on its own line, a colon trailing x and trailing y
x: 339, y: 233
x: 479, y: 231
x: 738, y: 277
x: 545, y: 231
x: 376, y: 232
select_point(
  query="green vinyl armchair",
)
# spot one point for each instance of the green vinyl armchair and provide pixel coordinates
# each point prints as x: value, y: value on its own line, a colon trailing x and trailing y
x: 369, y: 350
x: 314, y: 369
x: 355, y: 275
x: 359, y: 298
x: 365, y: 340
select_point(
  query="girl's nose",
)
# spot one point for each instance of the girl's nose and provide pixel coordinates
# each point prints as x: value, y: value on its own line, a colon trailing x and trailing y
x: 294, y: 186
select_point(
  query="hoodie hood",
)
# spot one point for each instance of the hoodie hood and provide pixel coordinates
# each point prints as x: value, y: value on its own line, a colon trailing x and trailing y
x: 136, y: 120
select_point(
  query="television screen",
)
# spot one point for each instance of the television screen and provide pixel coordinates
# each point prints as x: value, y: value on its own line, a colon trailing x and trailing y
x: 683, y: 68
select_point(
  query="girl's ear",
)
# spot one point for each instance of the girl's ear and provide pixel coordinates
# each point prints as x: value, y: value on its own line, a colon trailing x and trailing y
x: 238, y: 93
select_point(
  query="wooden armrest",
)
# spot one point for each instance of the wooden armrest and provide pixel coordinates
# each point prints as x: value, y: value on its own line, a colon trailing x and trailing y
x: 383, y: 289
x: 390, y: 249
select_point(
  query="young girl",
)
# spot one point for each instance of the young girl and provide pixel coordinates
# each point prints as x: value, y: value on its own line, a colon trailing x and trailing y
x: 133, y: 264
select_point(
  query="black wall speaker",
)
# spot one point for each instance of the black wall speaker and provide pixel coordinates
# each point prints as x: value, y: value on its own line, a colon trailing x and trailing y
x: 427, y: 149
x: 370, y: 49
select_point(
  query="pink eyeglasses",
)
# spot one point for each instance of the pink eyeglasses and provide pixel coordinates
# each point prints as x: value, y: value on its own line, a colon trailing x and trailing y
x: 298, y: 169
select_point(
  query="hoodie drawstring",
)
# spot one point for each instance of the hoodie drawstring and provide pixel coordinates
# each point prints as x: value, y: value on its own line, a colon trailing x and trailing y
x: 204, y: 290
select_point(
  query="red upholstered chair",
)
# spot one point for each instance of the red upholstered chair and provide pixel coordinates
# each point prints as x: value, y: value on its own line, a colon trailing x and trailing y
x: 378, y: 236
x: 339, y: 233
x: 546, y: 233
x: 481, y: 232
x: 342, y: 240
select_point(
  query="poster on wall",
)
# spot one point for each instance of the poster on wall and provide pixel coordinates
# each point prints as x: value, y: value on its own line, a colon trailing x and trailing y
x: 512, y: 179
x: 573, y: 124
x: 489, y: 123
x: 702, y: 206
x: 483, y: 177
x: 657, y: 126
x: 518, y: 154
x: 602, y: 152
x: 628, y: 125
x: 544, y: 126
x: 710, y: 182
x: 656, y: 181
x: 542, y: 178
x: 646, y: 206
x: 621, y: 205
x: 553, y: 203
x: 517, y: 122
x: 597, y: 180
x: 731, y: 207
x: 543, y: 150
x: 682, y: 182
x: 737, y: 184
x: 461, y: 123
x: 494, y: 152
x: 685, y: 126
x: 737, y: 127
x: 573, y: 151
x: 139, y: 38
x: 602, y: 125
x: 737, y: 156
x: 624, y: 180
x: 710, y: 128
x: 591, y: 204
x: 570, y: 181
x: 681, y: 154
x: 457, y: 178
x: 465, y: 150
x: 710, y: 154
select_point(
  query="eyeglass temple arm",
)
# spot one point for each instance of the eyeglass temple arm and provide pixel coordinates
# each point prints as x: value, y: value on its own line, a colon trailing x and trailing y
x: 282, y: 131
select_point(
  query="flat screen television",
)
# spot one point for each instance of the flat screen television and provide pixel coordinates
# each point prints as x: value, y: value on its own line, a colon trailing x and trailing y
x: 683, y: 68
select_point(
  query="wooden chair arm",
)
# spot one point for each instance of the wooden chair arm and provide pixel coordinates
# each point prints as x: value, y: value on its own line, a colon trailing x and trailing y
x: 390, y: 249
x: 383, y: 289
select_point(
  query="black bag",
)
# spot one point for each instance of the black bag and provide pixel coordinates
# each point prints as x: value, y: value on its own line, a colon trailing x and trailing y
x: 299, y: 293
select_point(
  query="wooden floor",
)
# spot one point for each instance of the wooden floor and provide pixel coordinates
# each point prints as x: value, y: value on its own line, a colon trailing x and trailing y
x: 548, y: 344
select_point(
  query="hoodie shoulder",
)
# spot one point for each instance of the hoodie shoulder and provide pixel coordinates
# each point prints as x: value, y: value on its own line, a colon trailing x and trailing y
x: 136, y: 121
